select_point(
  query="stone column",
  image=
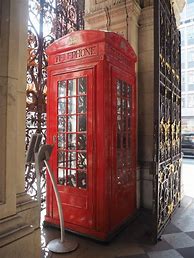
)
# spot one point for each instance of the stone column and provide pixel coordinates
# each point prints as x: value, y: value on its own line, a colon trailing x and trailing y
x: 19, y: 233
x: 146, y: 98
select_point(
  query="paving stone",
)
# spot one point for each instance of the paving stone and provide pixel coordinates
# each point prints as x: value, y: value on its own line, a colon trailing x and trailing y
x: 165, y: 254
x: 179, y: 240
x: 186, y: 252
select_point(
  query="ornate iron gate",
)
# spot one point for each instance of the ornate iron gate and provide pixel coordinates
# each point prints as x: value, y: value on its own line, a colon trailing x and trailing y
x: 48, y: 20
x: 167, y: 177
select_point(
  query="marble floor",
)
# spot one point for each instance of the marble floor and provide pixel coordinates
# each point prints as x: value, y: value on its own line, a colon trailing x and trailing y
x: 177, y: 240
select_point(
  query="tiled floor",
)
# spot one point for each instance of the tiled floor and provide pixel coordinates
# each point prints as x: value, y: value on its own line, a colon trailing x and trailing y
x: 176, y: 242
x: 134, y: 242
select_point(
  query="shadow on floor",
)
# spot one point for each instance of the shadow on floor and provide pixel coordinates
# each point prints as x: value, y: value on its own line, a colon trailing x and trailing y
x: 135, y: 241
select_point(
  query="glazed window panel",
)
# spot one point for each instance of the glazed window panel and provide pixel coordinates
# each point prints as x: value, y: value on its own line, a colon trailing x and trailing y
x: 72, y: 133
x: 82, y: 85
x: 61, y: 141
x: 62, y: 106
x: 72, y: 123
x: 123, y: 130
x: 61, y: 123
x: 81, y: 141
x: 71, y: 139
x: 82, y: 123
x: 82, y: 105
x: 72, y: 87
x: 82, y: 160
x: 62, y: 86
x: 72, y: 105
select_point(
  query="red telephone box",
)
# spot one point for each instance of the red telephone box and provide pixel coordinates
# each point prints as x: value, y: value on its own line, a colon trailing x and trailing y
x: 92, y: 113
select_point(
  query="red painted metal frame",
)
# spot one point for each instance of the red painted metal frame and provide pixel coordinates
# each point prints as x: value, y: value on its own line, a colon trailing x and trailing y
x: 106, y: 204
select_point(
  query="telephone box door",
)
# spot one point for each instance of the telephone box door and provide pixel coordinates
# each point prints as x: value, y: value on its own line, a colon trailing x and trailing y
x: 72, y: 123
x: 124, y: 156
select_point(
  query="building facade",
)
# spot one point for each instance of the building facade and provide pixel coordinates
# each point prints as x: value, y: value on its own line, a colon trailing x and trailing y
x: 187, y: 63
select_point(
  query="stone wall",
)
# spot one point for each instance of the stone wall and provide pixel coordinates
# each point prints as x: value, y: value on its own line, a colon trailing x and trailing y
x: 19, y: 215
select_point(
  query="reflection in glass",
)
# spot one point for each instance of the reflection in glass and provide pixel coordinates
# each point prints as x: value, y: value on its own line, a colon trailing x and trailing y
x: 119, y: 87
x: 81, y: 141
x: 61, y: 178
x: 72, y: 87
x: 81, y: 160
x: 123, y: 132
x: 124, y: 89
x: 62, y: 88
x: 71, y: 156
x: 61, y: 159
x: 128, y: 107
x: 81, y: 179
x: 62, y: 123
x: 72, y: 105
x: 124, y: 106
x: 82, y: 104
x: 71, y: 123
x: 82, y: 85
x: 71, y: 177
x: 61, y: 141
x: 71, y: 138
x: 82, y: 123
x: 128, y: 91
x: 119, y: 125
x: 61, y: 106
x: 119, y: 105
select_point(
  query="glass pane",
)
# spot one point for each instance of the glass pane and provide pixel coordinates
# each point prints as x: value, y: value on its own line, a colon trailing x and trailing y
x: 119, y: 87
x: 72, y: 105
x: 124, y: 89
x: 119, y: 100
x: 71, y: 159
x: 81, y: 141
x: 81, y: 179
x: 71, y: 177
x: 72, y: 87
x: 62, y: 88
x: 71, y: 139
x: 61, y: 106
x: 119, y: 125
x: 61, y: 141
x: 62, y: 123
x: 82, y: 160
x: 82, y: 104
x: 71, y: 123
x: 128, y: 91
x: 82, y: 123
x: 61, y: 176
x: 128, y: 107
x: 124, y: 106
x: 82, y: 85
x: 61, y: 159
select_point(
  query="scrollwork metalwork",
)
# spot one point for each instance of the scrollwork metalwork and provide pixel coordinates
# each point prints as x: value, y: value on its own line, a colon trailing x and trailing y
x: 169, y: 128
x: 48, y: 20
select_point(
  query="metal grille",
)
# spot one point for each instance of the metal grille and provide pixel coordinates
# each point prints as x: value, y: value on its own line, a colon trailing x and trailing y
x: 167, y: 116
x: 48, y: 20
